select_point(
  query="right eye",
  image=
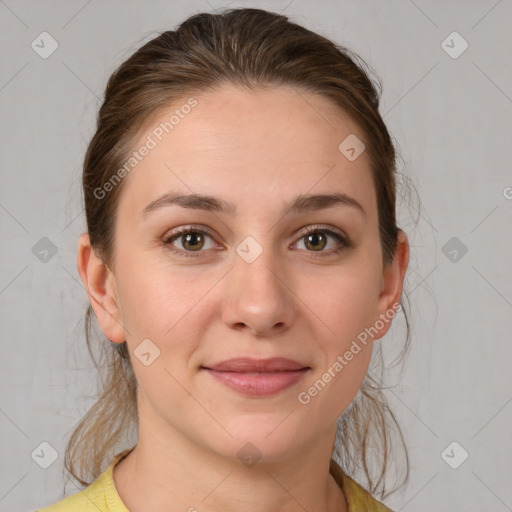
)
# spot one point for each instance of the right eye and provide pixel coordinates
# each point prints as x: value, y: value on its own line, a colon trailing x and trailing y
x: 191, y: 239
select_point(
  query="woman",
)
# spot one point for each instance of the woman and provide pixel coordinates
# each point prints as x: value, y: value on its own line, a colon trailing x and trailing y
x: 243, y: 258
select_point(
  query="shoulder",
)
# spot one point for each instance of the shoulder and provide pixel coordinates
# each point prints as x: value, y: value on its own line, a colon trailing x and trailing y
x: 90, y: 499
x: 359, y: 499
x: 101, y: 495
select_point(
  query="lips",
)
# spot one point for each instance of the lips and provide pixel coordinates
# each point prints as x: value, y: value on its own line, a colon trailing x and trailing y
x: 245, y: 365
x: 257, y: 378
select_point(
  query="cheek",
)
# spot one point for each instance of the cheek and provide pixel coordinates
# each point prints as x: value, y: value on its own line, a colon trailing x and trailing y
x: 346, y: 308
x: 335, y: 383
x: 344, y: 302
x: 163, y: 302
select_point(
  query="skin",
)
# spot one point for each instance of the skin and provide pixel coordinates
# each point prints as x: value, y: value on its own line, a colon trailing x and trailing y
x: 257, y: 149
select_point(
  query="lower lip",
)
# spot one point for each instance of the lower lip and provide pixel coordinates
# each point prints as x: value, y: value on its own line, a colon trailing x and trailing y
x: 258, y: 384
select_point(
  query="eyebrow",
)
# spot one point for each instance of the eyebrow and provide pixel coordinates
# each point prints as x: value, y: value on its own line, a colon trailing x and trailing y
x: 299, y: 204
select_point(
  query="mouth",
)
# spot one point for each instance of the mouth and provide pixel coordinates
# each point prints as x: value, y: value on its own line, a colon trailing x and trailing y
x: 258, y: 378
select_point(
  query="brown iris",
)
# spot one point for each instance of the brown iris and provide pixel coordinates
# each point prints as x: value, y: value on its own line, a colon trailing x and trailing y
x: 190, y: 241
x: 316, y: 238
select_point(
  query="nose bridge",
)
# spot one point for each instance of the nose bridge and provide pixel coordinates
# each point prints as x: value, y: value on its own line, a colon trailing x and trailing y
x: 257, y: 294
x: 259, y: 274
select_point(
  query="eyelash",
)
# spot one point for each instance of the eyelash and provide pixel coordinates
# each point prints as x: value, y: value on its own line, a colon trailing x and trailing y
x: 344, y: 241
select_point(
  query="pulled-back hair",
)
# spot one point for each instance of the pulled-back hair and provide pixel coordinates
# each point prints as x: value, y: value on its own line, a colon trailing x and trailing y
x: 250, y: 48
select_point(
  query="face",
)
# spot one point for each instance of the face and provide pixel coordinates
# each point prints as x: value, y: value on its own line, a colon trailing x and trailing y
x: 257, y: 275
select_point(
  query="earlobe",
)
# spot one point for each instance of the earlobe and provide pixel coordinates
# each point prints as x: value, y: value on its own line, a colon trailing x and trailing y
x: 392, y: 283
x: 100, y: 284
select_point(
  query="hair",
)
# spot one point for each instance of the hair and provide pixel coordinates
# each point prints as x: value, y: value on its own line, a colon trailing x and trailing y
x: 255, y: 49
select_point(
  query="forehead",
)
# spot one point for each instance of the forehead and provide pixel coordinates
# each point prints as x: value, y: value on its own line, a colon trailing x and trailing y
x: 249, y: 146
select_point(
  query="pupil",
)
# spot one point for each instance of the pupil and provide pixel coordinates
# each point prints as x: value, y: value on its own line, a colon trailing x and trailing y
x: 315, y: 238
x: 194, y: 237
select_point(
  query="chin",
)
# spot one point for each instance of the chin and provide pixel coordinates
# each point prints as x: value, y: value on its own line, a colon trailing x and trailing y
x: 253, y: 440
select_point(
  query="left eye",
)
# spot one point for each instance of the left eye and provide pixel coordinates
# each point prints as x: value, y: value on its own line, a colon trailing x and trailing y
x: 317, y: 240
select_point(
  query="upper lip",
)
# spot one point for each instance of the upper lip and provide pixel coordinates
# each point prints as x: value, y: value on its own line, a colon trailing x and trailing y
x: 245, y: 364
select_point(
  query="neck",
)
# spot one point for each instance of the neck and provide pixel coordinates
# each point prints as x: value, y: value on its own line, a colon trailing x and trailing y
x: 168, y: 471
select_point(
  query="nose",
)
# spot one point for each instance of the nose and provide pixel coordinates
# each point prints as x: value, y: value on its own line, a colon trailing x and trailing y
x: 259, y: 296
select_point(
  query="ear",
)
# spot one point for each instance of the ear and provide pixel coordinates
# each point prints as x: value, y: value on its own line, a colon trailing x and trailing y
x: 392, y: 283
x: 100, y: 284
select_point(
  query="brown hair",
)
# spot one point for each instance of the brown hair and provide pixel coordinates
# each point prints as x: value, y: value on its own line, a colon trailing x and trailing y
x: 250, y: 48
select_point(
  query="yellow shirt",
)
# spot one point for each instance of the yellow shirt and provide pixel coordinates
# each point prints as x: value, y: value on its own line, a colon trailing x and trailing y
x: 102, y: 496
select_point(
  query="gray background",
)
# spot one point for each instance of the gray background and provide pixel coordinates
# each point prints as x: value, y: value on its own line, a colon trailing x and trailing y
x: 451, y: 118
